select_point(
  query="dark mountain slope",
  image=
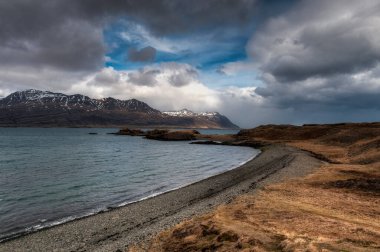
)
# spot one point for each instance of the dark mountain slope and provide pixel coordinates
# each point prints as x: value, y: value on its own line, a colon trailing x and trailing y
x: 34, y: 108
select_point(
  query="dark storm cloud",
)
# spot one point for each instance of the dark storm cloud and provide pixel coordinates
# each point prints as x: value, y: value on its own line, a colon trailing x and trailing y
x: 340, y: 91
x: 319, y: 38
x: 70, y: 46
x: 145, y: 54
x: 48, y: 33
x: 325, y: 51
x: 321, y: 55
x: 67, y: 34
x: 168, y: 16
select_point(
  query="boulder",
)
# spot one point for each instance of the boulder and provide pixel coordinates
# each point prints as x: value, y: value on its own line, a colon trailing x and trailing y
x: 131, y: 132
x: 166, y: 135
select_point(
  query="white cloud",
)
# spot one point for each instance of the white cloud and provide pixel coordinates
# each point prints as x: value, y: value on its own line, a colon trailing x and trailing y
x: 169, y: 86
x: 138, y: 34
x: 237, y: 67
x: 242, y: 105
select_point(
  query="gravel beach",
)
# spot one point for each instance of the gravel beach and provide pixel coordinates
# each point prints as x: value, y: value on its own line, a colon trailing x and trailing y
x: 115, y: 230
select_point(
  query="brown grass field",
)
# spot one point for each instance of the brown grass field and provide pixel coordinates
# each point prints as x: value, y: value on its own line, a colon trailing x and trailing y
x: 336, y: 208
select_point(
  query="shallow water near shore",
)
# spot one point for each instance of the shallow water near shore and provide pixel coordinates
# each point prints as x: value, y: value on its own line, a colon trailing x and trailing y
x: 49, y: 176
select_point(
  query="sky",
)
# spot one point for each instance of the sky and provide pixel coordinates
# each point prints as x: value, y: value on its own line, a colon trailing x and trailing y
x: 255, y: 61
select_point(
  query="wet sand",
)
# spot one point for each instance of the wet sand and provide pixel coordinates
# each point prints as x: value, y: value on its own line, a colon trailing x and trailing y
x: 117, y: 229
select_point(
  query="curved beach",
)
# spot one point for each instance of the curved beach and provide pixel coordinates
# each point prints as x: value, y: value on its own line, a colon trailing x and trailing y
x: 117, y: 229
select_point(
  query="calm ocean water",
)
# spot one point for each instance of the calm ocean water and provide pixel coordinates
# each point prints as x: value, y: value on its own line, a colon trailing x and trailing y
x: 49, y: 176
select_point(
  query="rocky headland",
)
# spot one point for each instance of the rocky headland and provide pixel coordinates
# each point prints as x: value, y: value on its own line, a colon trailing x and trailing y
x: 334, y: 208
x: 162, y: 134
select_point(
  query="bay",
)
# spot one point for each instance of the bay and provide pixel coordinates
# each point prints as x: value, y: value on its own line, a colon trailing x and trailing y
x: 53, y: 175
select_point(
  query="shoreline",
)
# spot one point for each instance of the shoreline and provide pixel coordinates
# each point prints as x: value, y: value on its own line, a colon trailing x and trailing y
x: 37, y: 228
x: 114, y: 127
x: 135, y: 222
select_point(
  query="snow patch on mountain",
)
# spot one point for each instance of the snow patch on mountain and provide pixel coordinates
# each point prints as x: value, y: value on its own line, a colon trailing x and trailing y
x: 189, y: 113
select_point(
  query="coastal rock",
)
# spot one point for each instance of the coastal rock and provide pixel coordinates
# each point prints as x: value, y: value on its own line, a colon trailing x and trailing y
x: 131, y: 132
x: 207, y: 142
x: 166, y: 135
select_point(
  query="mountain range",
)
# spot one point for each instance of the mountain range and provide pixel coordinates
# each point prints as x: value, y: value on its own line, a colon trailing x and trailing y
x: 35, y: 108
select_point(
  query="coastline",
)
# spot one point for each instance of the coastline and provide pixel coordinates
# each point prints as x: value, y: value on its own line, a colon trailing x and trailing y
x: 135, y: 222
x: 58, y: 222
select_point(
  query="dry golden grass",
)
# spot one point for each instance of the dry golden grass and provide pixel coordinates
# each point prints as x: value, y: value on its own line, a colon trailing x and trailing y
x: 335, y: 209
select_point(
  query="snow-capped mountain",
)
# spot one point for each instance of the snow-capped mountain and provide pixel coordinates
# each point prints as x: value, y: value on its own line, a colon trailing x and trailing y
x: 43, y: 108
x: 210, y: 118
x: 36, y: 98
x: 189, y: 113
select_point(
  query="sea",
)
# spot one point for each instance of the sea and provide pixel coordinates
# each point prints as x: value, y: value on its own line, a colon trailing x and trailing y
x: 50, y: 176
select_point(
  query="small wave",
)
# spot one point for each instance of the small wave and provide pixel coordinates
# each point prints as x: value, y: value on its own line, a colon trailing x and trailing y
x: 43, y: 223
x: 150, y: 196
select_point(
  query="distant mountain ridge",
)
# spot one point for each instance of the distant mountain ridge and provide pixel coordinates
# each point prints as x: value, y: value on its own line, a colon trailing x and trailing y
x: 186, y: 113
x: 34, y: 98
x: 35, y: 108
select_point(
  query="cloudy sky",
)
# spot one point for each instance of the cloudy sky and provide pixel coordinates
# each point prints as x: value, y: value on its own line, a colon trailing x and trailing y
x: 257, y: 62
